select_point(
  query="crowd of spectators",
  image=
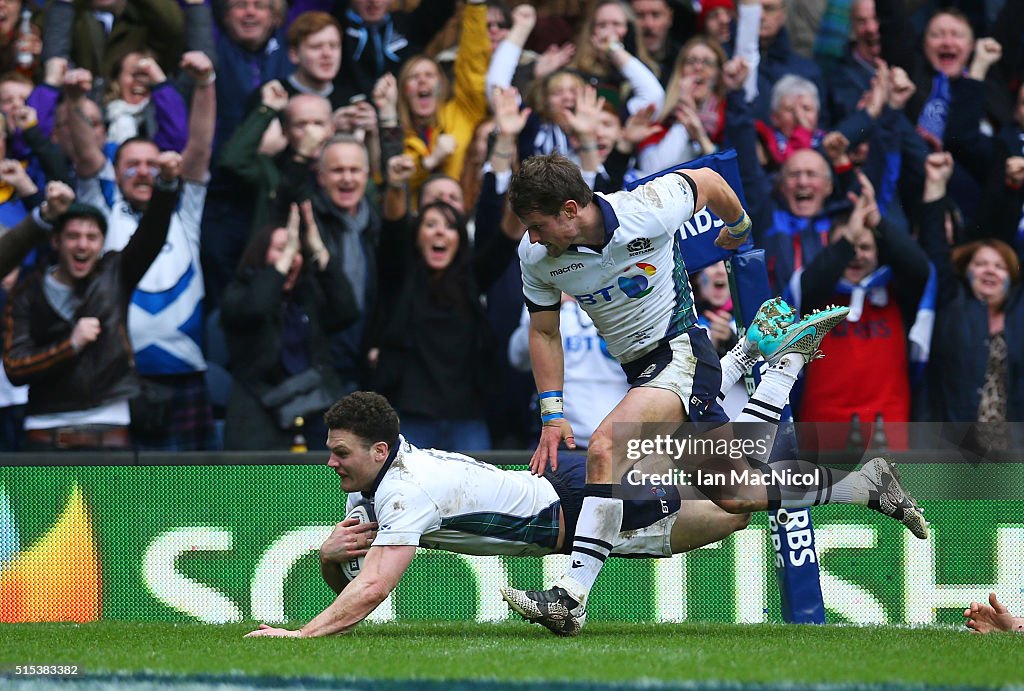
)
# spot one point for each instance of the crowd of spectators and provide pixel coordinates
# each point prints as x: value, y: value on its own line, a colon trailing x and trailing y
x: 221, y: 215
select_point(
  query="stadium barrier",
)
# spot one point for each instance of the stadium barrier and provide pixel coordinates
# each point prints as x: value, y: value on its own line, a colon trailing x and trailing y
x: 223, y: 537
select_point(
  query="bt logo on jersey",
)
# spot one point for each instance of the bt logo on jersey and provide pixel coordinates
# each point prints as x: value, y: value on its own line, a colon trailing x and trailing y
x: 637, y: 286
x: 633, y: 287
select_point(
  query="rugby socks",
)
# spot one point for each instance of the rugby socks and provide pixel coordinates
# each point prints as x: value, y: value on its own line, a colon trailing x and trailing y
x: 817, y: 485
x: 827, y: 485
x: 599, y: 522
x: 769, y: 398
x: 772, y: 393
x: 813, y: 484
x: 735, y: 364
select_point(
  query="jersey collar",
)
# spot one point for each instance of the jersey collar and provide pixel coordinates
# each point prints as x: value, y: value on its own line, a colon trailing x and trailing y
x: 608, y: 219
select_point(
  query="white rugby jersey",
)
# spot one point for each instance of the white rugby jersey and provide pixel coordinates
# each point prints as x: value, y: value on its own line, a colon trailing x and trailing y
x: 636, y: 289
x: 442, y: 500
x: 165, y: 318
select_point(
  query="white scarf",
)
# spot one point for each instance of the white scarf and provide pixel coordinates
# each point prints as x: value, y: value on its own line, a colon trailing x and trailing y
x: 124, y: 119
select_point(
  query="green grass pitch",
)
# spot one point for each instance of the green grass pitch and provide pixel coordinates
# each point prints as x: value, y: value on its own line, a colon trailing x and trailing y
x: 514, y: 651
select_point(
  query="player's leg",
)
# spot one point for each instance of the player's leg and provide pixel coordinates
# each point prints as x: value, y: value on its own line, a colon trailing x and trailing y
x: 774, y: 314
x: 760, y: 417
x: 876, y: 485
x: 690, y: 522
x: 561, y: 608
x: 702, y: 522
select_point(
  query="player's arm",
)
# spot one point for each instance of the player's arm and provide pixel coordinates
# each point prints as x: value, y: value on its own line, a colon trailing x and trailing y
x: 383, y: 569
x: 711, y: 190
x: 547, y: 360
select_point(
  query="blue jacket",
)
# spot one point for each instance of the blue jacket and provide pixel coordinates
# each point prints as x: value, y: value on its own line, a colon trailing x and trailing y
x: 240, y: 73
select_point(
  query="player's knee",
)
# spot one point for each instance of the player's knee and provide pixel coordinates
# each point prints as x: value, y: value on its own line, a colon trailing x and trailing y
x: 599, y: 457
x: 739, y: 521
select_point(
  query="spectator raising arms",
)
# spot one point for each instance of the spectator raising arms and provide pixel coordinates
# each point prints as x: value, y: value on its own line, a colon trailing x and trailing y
x: 377, y: 41
x: 64, y: 334
x: 165, y: 323
x: 140, y: 102
x: 431, y: 333
x: 289, y: 294
x: 610, y: 58
x: 975, y: 368
x: 439, y: 126
x: 95, y: 35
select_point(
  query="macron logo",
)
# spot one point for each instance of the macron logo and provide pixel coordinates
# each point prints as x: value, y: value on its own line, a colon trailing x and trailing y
x: 566, y: 269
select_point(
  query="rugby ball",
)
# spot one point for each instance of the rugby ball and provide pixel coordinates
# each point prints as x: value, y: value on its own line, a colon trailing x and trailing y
x: 364, y: 514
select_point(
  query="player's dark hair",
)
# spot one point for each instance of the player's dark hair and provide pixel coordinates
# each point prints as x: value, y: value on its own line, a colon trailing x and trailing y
x: 544, y: 183
x: 366, y: 414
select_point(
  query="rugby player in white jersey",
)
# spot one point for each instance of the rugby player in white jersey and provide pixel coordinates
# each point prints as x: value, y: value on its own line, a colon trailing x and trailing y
x: 447, y: 501
x: 619, y: 256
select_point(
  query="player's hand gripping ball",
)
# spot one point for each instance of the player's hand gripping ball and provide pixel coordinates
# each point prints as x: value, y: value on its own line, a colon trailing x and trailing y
x: 364, y: 514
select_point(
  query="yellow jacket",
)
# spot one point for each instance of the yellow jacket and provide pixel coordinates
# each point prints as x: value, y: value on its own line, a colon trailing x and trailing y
x: 467, y: 106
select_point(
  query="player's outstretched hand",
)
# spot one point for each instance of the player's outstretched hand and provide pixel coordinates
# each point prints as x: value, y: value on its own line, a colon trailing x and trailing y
x: 551, y: 435
x: 265, y: 631
x: 991, y: 617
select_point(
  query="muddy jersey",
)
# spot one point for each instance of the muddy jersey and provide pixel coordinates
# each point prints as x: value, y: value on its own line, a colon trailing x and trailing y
x: 635, y: 288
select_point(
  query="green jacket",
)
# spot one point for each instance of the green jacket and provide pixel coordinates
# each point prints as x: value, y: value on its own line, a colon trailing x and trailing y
x: 260, y: 173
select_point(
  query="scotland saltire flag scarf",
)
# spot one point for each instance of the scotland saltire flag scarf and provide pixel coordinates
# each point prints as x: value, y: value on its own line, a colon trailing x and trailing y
x: 936, y: 109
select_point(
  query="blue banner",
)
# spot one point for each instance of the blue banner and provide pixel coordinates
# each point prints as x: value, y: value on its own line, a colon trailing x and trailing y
x: 699, y: 233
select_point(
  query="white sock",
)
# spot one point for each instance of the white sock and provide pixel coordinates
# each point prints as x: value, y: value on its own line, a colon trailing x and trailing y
x: 772, y: 393
x: 765, y: 406
x: 599, y: 522
x: 735, y: 364
x: 833, y: 486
